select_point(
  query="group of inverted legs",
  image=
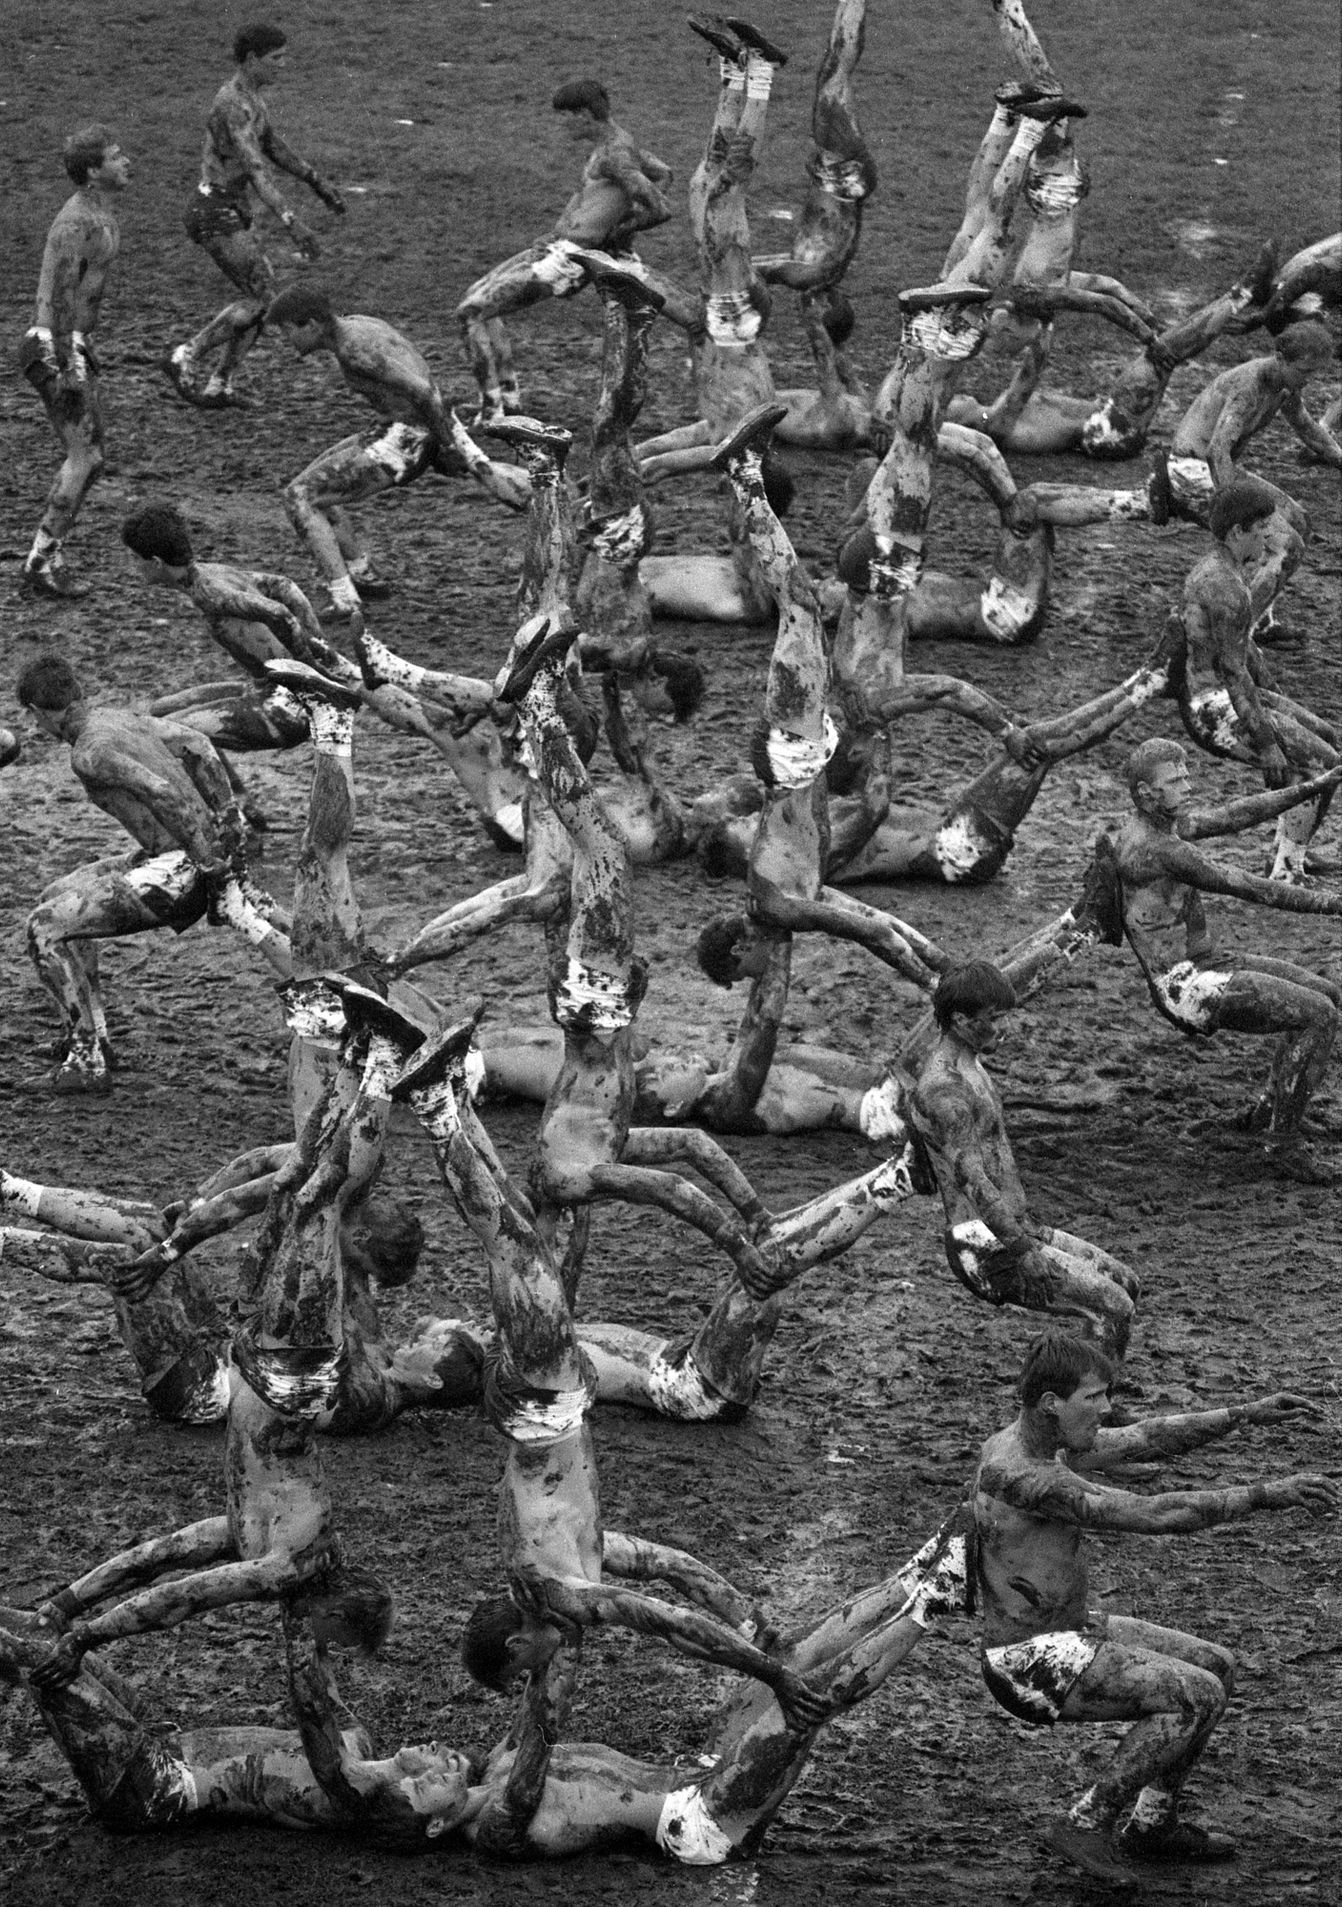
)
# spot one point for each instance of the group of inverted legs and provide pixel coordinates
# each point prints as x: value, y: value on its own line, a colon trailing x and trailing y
x: 298, y: 1350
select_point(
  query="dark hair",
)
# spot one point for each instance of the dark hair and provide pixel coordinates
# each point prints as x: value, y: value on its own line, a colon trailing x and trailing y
x: 1057, y: 1361
x: 258, y: 38
x: 1147, y: 757
x: 839, y: 317
x: 965, y: 989
x: 719, y: 855
x: 682, y: 678
x: 49, y: 682
x: 853, y: 562
x: 357, y: 1598
x: 1308, y: 342
x: 490, y: 1627
x: 1244, y: 500
x: 300, y: 304
x: 85, y: 150
x: 583, y: 96
x: 715, y: 949
x: 389, y: 1233
x: 779, y: 487
x: 159, y: 529
x: 581, y: 720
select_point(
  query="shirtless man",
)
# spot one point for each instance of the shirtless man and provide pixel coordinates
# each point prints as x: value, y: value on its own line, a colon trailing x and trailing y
x: 996, y: 1250
x: 1164, y: 878
x: 383, y: 367
x: 56, y: 355
x: 240, y: 147
x: 532, y: 1797
x: 1225, y: 697
x: 1048, y: 1656
x: 166, y: 786
x: 621, y: 193
x: 1212, y: 433
x: 732, y: 376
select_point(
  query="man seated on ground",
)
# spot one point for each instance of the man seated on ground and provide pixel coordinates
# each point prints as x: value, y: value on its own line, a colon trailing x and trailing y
x: 1049, y: 1657
x: 383, y: 367
x: 1163, y: 879
x: 1225, y: 695
x: 620, y: 194
x: 996, y: 1250
x: 166, y: 786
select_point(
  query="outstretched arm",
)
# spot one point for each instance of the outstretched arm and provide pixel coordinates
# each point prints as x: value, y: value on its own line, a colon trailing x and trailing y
x: 918, y: 693
x: 1184, y: 863
x: 322, y: 1718
x: 1059, y: 1495
x: 1174, y: 1435
x: 1232, y: 817
x: 1313, y: 435
x: 503, y: 1826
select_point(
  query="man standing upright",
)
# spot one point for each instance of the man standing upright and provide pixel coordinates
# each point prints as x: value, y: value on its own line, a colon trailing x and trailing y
x: 56, y: 356
x: 240, y: 145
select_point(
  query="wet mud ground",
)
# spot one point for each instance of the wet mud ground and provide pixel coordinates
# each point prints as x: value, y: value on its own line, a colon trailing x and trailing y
x: 885, y: 1375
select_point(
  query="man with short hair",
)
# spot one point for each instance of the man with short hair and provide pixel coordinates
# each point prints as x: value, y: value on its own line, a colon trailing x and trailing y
x: 1239, y: 403
x: 621, y: 193
x: 1163, y: 879
x: 996, y: 1250
x: 166, y: 786
x: 240, y: 147
x: 1049, y: 1657
x: 382, y: 366
x: 1225, y: 695
x: 56, y: 355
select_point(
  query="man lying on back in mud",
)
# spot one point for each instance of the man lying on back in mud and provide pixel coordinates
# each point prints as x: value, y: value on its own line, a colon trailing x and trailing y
x: 383, y: 367
x: 621, y: 193
x: 1049, y: 1657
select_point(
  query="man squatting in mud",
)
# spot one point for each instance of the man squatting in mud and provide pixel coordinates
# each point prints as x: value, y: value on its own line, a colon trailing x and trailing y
x: 1163, y: 878
x: 240, y: 147
x: 166, y: 786
x: 1226, y: 697
x: 1049, y: 1657
x: 56, y: 355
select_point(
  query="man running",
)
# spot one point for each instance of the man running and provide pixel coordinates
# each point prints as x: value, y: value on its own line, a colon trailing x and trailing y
x: 1049, y: 1657
x: 56, y: 355
x: 240, y: 147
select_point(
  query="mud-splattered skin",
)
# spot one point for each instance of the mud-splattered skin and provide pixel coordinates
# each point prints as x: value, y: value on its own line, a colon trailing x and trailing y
x: 161, y: 780
x: 957, y: 1112
x: 80, y: 250
x: 620, y: 193
x: 1239, y: 403
x: 1036, y: 1494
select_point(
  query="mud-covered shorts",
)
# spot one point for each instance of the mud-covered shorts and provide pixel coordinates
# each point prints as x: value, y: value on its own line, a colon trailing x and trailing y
x: 1032, y: 1680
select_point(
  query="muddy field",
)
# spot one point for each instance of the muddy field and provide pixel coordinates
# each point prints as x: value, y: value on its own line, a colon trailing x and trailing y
x: 885, y: 1377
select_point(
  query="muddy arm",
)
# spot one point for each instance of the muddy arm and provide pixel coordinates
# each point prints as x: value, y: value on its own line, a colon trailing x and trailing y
x: 655, y: 1145
x: 189, y: 1547
x: 1184, y: 863
x: 638, y: 1560
x: 1183, y: 1431
x: 322, y: 1717
x: 1059, y: 1496
x: 1232, y: 817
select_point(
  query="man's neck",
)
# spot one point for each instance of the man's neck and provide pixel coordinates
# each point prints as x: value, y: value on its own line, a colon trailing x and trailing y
x: 1038, y: 1435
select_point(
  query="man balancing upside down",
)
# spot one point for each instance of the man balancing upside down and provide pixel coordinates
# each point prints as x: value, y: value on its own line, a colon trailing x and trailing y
x: 383, y: 367
x: 1049, y: 1656
x: 56, y: 355
x: 620, y: 194
x: 1163, y: 878
x: 240, y: 147
x: 166, y: 786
